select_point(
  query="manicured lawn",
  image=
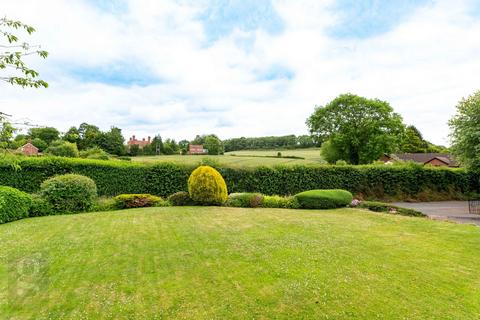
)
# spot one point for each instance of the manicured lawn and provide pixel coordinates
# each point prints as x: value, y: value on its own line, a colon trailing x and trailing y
x: 311, y: 155
x: 228, y: 263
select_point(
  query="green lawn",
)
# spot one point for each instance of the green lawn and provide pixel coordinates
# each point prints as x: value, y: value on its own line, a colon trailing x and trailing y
x: 312, y: 157
x: 230, y: 263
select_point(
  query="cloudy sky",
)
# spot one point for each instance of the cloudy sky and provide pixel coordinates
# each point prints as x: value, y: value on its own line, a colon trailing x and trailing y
x: 243, y: 67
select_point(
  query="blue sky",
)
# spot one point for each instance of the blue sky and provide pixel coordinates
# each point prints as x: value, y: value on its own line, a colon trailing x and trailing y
x: 233, y: 67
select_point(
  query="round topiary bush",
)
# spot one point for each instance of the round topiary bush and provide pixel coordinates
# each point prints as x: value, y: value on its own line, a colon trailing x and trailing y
x: 14, y: 204
x: 69, y: 193
x: 324, y: 199
x: 206, y: 186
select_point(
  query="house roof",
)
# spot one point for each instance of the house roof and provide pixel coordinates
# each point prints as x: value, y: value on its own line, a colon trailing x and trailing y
x: 28, y: 144
x: 424, y: 158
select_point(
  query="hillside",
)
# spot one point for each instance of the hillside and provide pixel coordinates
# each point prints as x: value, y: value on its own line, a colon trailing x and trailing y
x: 245, y: 158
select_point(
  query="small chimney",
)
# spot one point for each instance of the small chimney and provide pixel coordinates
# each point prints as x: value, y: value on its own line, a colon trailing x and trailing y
x: 148, y: 139
x: 133, y: 137
x: 143, y: 139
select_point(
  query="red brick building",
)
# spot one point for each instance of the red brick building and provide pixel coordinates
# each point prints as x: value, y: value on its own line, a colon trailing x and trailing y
x: 140, y: 143
x: 28, y: 149
x: 433, y: 159
x: 196, y: 149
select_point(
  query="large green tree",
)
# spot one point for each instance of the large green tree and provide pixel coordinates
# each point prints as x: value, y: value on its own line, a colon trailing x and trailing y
x: 47, y: 134
x: 359, y: 130
x: 213, y: 144
x: 465, y: 131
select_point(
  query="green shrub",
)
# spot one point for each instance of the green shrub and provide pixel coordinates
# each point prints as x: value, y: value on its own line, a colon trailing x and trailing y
x: 389, y: 208
x: 103, y: 204
x: 14, y: 204
x: 62, y: 148
x: 94, y: 153
x: 181, y: 198
x: 280, y: 202
x: 126, y: 201
x: 69, y: 193
x: 324, y: 199
x: 245, y: 200
x: 206, y: 186
x: 40, y: 207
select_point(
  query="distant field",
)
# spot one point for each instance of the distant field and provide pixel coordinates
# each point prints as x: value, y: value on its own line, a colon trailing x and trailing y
x: 242, y: 159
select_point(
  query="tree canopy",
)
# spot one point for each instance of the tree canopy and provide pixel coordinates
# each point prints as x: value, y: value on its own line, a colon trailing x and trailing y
x: 12, y: 64
x: 465, y: 131
x: 358, y: 130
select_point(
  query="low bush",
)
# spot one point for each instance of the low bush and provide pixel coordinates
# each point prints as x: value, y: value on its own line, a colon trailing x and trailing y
x: 181, y: 198
x: 69, y: 193
x: 94, y: 153
x: 280, y: 202
x: 62, y: 148
x: 206, y: 186
x: 103, y: 204
x: 389, y: 208
x: 126, y: 201
x: 245, y: 200
x: 324, y: 199
x: 40, y: 207
x: 14, y: 204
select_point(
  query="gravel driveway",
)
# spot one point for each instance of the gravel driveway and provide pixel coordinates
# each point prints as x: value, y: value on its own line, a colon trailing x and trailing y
x: 444, y: 210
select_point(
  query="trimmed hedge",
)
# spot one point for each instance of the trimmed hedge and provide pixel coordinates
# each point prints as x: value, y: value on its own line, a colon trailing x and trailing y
x: 14, y: 204
x: 324, y: 199
x: 163, y: 179
x: 389, y: 208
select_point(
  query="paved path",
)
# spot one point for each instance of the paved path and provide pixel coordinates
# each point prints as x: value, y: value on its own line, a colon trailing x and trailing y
x: 444, y: 210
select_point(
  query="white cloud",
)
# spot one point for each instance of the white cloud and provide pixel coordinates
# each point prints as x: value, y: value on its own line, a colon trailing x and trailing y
x: 423, y: 66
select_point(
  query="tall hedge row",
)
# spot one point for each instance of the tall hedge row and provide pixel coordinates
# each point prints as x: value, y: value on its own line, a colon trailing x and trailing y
x: 116, y: 177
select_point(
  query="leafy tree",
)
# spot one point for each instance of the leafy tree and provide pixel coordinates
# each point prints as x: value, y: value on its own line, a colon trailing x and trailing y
x: 213, y: 144
x: 360, y: 130
x: 155, y: 147
x: 183, y: 146
x: 465, y: 131
x: 40, y: 144
x: 170, y: 147
x: 199, y: 139
x: 330, y: 153
x: 412, y: 141
x: 134, y: 150
x: 112, y: 141
x: 62, y: 148
x: 89, y: 136
x: 72, y: 135
x: 47, y: 134
x: 6, y: 132
x: 13, y: 54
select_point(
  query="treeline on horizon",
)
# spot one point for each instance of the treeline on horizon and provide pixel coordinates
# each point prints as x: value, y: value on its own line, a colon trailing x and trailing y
x: 87, y: 137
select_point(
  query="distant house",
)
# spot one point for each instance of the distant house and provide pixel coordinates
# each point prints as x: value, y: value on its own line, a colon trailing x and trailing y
x: 196, y: 149
x: 433, y: 159
x: 28, y: 149
x: 140, y: 143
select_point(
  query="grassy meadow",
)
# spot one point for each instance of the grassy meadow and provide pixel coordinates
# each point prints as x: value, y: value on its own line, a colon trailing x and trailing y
x: 244, y: 158
x: 219, y: 263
